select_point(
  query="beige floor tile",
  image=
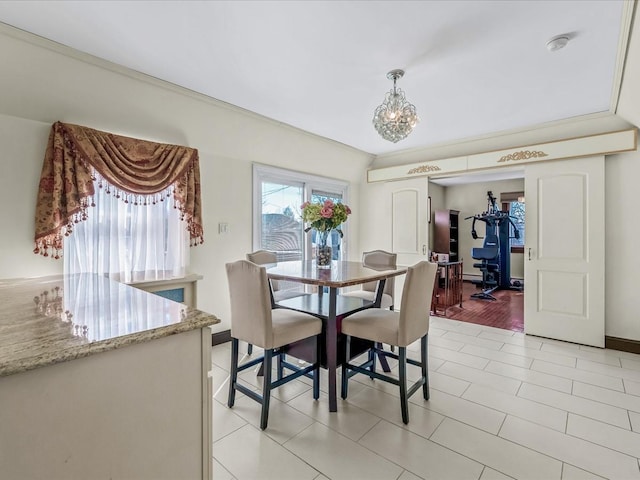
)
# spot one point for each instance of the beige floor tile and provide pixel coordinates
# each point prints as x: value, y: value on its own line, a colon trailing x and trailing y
x: 502, y: 455
x: 337, y: 457
x: 517, y: 406
x: 447, y: 384
x: 406, y: 475
x: 530, y: 376
x: 569, y: 472
x: 284, y: 421
x: 595, y: 393
x: 480, y: 377
x: 499, y: 356
x: 619, y: 439
x: 580, y: 375
x: 444, y: 342
x: 491, y: 474
x: 225, y: 421
x: 630, y: 364
x: 581, y: 406
x: 635, y: 421
x: 473, y: 340
x: 349, y: 420
x: 419, y: 455
x: 421, y: 420
x: 221, y: 356
x: 599, y: 356
x: 471, y: 413
x: 631, y: 387
x: 457, y: 357
x: 221, y: 473
x: 621, y: 372
x: 575, y: 451
x: 604, y: 395
x: 536, y: 354
x: 518, y: 340
x: 472, y: 329
x: 249, y: 454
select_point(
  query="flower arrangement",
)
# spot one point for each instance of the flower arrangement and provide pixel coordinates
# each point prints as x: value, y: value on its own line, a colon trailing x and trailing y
x: 325, y: 216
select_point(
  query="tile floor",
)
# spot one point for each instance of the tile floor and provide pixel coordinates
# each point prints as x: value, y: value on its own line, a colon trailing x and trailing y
x: 503, y: 405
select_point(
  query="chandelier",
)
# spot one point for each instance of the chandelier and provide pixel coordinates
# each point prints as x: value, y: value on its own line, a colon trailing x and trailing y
x: 396, y: 117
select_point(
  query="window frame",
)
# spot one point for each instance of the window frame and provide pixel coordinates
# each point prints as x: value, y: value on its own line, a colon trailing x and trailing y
x: 310, y: 182
x: 505, y: 200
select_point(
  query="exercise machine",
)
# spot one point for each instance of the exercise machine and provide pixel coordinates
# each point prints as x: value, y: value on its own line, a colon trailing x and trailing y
x: 495, y: 253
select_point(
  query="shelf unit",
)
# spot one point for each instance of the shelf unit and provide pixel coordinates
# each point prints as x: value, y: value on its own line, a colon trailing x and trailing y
x: 448, y: 288
x: 446, y: 233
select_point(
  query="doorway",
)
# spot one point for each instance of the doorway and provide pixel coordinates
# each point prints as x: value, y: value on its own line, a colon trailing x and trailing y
x: 467, y: 194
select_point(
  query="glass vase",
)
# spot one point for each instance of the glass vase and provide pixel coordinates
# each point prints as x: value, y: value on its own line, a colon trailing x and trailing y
x: 323, y: 252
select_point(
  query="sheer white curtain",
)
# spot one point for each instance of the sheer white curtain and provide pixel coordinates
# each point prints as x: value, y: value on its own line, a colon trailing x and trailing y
x: 128, y: 242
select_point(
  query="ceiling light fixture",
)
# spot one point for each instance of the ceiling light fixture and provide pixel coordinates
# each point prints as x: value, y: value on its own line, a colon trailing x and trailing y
x: 557, y: 42
x: 395, y: 118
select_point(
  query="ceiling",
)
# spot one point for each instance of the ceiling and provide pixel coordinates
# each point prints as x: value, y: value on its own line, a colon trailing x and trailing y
x: 473, y: 68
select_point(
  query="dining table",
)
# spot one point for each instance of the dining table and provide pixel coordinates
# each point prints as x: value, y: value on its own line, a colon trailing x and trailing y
x: 327, y: 303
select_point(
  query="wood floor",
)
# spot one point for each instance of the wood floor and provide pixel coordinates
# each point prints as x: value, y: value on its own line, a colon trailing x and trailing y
x: 506, y: 312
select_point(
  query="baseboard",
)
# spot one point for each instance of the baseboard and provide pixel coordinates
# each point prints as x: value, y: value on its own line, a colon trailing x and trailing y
x: 622, y: 344
x: 220, y: 337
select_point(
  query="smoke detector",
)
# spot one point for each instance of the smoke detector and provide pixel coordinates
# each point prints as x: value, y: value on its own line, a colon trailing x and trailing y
x: 557, y: 42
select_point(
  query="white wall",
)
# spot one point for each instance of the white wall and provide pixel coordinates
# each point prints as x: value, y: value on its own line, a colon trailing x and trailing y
x: 42, y: 82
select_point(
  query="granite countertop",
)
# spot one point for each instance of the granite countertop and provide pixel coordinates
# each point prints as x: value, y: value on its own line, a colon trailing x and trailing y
x: 53, y: 319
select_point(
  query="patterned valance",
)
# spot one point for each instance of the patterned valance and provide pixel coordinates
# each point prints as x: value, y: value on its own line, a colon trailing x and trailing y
x: 136, y: 171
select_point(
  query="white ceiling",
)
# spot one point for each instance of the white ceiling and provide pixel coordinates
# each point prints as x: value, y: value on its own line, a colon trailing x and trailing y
x: 472, y: 67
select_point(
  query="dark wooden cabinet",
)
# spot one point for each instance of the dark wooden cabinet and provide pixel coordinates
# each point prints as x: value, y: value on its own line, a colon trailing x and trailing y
x: 446, y: 233
x: 448, y: 288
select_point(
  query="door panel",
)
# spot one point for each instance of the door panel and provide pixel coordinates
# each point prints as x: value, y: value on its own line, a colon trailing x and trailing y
x: 564, y: 251
x: 405, y: 238
x: 409, y: 225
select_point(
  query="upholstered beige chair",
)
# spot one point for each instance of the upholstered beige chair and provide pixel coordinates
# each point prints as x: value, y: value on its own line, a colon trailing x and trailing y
x: 378, y: 259
x: 396, y: 328
x: 266, y: 257
x: 253, y: 321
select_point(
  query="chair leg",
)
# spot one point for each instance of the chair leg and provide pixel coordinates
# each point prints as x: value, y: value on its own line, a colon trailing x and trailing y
x: 279, y: 367
x: 266, y: 388
x: 393, y: 348
x: 345, y: 370
x: 402, y: 378
x: 249, y: 349
x: 316, y: 372
x: 425, y: 365
x: 233, y: 376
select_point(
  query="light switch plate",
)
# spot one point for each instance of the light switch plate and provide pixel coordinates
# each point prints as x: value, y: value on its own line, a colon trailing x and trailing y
x: 223, y: 228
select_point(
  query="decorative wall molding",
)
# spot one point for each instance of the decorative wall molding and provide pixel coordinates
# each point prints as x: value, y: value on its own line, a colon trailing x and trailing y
x: 599, y: 144
x: 522, y: 155
x: 424, y: 169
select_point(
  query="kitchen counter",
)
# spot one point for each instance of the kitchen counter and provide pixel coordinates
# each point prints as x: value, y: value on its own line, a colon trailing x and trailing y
x: 48, y: 320
x: 99, y: 379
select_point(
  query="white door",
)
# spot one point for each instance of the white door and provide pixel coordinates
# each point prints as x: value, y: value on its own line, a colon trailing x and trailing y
x: 564, y: 250
x: 409, y: 224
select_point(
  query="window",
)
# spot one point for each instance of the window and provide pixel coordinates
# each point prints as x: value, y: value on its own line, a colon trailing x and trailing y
x: 278, y: 225
x: 128, y: 242
x: 514, y: 203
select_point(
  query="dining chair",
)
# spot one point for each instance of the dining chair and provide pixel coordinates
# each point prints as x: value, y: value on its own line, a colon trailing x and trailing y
x: 266, y: 257
x: 254, y: 321
x: 395, y: 328
x: 377, y: 259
